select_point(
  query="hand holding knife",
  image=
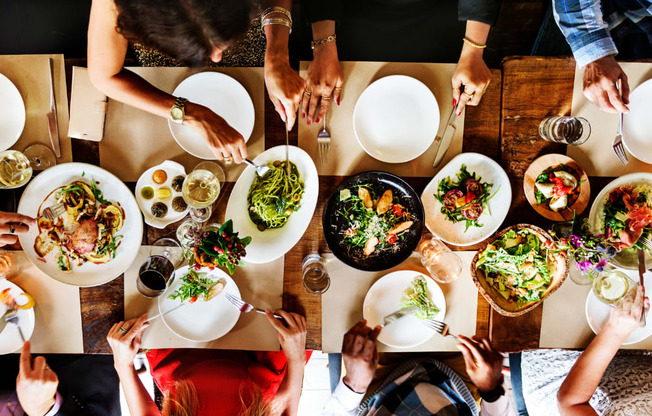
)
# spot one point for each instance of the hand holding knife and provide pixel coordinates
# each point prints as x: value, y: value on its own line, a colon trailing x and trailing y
x: 447, y: 137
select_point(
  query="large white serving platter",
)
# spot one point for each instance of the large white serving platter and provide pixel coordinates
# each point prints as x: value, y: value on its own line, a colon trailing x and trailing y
x: 271, y: 244
x: 384, y: 298
x: 491, y: 218
x: 38, y: 195
x: 222, y: 94
x: 396, y: 119
x: 201, y: 321
x: 637, y: 124
x: 597, y: 314
x: 12, y: 115
x: 10, y: 340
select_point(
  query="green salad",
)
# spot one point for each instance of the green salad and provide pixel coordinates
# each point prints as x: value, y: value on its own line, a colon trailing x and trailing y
x: 196, y: 285
x: 417, y: 295
x: 517, y: 265
x: 464, y: 198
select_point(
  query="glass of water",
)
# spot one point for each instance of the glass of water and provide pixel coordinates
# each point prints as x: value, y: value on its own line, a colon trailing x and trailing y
x: 565, y: 130
x: 443, y: 265
x: 15, y: 170
x: 315, y: 277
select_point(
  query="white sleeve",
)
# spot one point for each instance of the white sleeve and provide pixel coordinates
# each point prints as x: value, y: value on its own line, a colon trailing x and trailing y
x: 501, y: 407
x: 58, y: 401
x: 343, y: 401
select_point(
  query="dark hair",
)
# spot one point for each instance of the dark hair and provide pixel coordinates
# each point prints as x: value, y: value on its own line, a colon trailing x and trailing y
x: 186, y: 30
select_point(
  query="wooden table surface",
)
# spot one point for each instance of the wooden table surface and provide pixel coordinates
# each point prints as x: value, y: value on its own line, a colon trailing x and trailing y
x: 504, y: 127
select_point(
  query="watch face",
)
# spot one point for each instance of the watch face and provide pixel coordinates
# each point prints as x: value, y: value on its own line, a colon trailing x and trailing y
x: 177, y: 113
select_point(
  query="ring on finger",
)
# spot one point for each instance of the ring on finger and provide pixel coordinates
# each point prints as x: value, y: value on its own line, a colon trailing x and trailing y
x: 122, y: 329
x: 468, y: 95
x: 12, y: 229
x: 338, y: 88
x: 308, y: 93
x: 326, y: 97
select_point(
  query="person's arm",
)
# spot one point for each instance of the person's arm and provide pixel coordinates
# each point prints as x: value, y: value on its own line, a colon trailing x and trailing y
x: 284, y: 85
x: 471, y: 73
x: 582, y: 380
x: 106, y: 54
x: 12, y: 224
x: 587, y: 34
x: 125, y: 339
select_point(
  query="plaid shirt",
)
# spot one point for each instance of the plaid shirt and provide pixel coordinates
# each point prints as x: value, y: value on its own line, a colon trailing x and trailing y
x: 593, y: 28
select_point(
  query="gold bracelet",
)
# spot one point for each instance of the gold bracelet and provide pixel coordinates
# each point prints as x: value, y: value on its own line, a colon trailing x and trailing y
x: 327, y: 39
x: 475, y: 45
x: 276, y: 9
x: 277, y: 21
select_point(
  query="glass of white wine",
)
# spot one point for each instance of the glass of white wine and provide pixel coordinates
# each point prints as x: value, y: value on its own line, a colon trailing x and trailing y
x: 201, y: 189
x: 616, y: 289
x: 15, y: 170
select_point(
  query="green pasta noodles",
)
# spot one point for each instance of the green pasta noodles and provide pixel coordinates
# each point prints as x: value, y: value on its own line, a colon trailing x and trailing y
x: 274, y: 196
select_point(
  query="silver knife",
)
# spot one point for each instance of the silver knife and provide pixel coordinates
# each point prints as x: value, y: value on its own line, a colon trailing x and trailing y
x: 53, y: 121
x: 641, y: 272
x: 287, y: 149
x: 446, y: 137
x: 393, y: 317
x: 164, y: 313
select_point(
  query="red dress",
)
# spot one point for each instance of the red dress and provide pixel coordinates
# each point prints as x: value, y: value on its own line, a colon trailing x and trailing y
x: 218, y: 375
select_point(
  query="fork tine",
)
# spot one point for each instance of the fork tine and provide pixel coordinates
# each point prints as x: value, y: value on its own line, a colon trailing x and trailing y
x: 620, y: 152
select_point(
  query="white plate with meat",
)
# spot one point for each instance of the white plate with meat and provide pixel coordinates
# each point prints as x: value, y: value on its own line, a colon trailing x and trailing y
x: 96, y: 239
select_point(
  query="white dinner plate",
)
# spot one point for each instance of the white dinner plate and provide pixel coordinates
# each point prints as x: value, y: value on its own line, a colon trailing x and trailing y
x: 384, y: 297
x: 396, y: 119
x: 222, y: 94
x: 39, y: 194
x: 637, y: 124
x: 597, y: 313
x: 201, y: 321
x: 491, y: 218
x: 12, y: 116
x: 10, y: 340
x: 172, y: 169
x: 627, y: 258
x: 271, y: 244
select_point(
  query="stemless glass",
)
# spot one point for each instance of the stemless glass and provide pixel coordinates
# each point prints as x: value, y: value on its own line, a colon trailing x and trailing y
x: 443, y: 265
x: 153, y: 276
x: 315, y: 276
x: 565, y: 130
x: 15, y: 170
x: 201, y: 189
x: 616, y: 289
x: 7, y: 264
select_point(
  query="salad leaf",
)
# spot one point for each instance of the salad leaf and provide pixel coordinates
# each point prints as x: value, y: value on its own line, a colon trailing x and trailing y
x: 417, y: 295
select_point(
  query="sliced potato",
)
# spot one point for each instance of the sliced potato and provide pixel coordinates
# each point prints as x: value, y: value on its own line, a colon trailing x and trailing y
x: 385, y: 202
x: 96, y: 258
x: 365, y: 196
x: 400, y: 227
x: 370, y: 245
x: 43, y: 244
x: 115, y: 217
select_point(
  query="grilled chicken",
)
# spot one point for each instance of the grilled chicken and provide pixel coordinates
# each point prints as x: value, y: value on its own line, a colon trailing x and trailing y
x: 365, y: 196
x: 370, y: 246
x: 400, y: 227
x: 85, y: 237
x: 385, y: 202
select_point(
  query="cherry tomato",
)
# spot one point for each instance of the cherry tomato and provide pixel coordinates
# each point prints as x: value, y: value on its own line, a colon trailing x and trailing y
x: 391, y: 238
x: 398, y: 210
x: 193, y: 299
x: 349, y: 232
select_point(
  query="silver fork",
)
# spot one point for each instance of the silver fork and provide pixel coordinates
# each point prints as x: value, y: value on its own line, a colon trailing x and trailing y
x: 617, y: 144
x: 324, y: 143
x: 53, y: 212
x: 647, y: 243
x: 246, y: 307
x: 440, y: 327
x: 12, y: 318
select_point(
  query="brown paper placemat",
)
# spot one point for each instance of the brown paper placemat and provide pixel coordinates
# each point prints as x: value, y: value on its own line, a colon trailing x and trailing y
x: 346, y: 156
x: 596, y: 155
x: 342, y: 303
x: 564, y: 325
x: 58, y: 311
x: 259, y: 284
x: 135, y: 140
x: 31, y: 75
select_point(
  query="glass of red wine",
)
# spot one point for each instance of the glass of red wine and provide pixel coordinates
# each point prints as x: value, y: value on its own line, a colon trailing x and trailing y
x: 153, y: 276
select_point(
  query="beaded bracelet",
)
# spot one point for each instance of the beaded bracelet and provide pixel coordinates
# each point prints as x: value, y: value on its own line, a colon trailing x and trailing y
x: 276, y: 21
x: 475, y: 45
x: 319, y: 42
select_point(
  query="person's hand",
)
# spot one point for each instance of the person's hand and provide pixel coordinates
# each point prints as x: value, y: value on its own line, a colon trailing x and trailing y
x: 323, y: 83
x: 473, y: 74
x: 125, y: 339
x: 285, y: 88
x: 360, y: 356
x: 292, y: 335
x: 600, y: 78
x: 484, y: 364
x: 622, y: 323
x: 12, y: 224
x: 225, y: 141
x: 36, y: 385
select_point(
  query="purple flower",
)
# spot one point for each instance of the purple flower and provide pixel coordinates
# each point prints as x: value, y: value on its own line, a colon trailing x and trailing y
x: 601, y: 264
x: 575, y: 241
x: 584, y: 265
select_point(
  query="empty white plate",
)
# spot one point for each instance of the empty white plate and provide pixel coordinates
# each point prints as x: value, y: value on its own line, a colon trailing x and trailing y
x: 201, y: 321
x: 597, y: 313
x: 222, y: 94
x: 637, y: 124
x: 10, y: 340
x: 384, y: 297
x: 12, y: 116
x: 396, y: 119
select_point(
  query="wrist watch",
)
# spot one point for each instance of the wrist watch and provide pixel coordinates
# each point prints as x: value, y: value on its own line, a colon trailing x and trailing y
x: 178, y: 111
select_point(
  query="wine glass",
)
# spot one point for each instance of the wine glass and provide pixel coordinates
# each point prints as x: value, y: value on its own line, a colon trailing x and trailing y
x: 201, y: 189
x: 168, y: 248
x: 15, y: 169
x: 40, y: 156
x: 443, y: 265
